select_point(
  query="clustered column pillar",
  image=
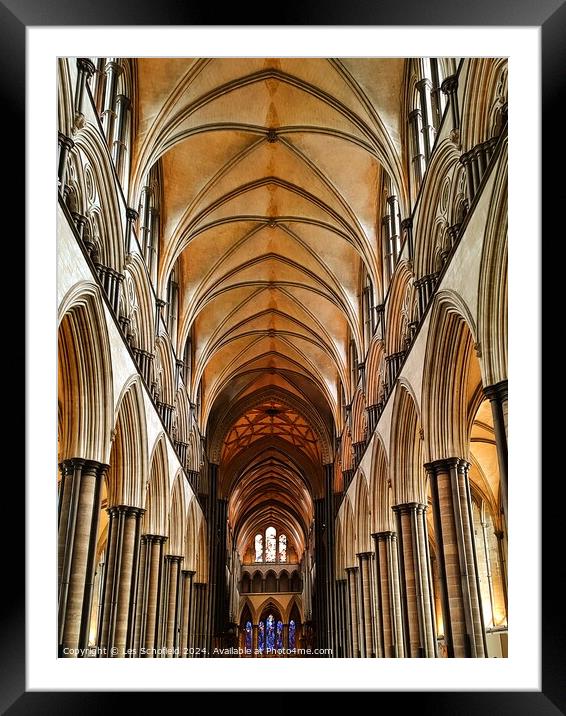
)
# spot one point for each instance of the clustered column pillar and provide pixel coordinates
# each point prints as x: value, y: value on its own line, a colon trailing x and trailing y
x: 352, y: 573
x: 366, y: 604
x: 119, y: 584
x: 387, y: 584
x: 149, y: 591
x: 416, y: 587
x: 185, y: 611
x: 457, y: 562
x: 172, y: 617
x: 79, y: 512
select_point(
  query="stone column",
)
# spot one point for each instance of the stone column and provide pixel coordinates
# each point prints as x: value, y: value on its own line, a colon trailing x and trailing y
x: 387, y: 582
x: 65, y: 146
x: 352, y: 573
x: 131, y: 218
x: 185, y: 619
x: 424, y: 88
x: 119, y: 145
x: 449, y: 87
x: 498, y: 397
x: 85, y: 70
x: 173, y: 567
x: 121, y: 553
x: 154, y: 570
x: 113, y: 70
x: 366, y: 605
x: 141, y: 591
x: 457, y: 562
x: 416, y: 598
x: 79, y: 511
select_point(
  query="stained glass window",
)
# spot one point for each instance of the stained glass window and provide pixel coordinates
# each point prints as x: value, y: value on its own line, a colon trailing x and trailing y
x: 258, y: 548
x: 292, y: 634
x: 270, y: 633
x: 279, y: 635
x: 282, y: 548
x: 249, y: 637
x: 261, y: 637
x: 270, y: 544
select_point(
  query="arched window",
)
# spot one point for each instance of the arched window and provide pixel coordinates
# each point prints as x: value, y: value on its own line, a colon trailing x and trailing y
x: 292, y: 634
x: 149, y: 220
x: 270, y: 633
x: 173, y: 304
x: 282, y: 548
x: 367, y: 307
x: 258, y: 548
x: 391, y: 228
x: 270, y: 544
x: 261, y: 637
x: 248, y: 637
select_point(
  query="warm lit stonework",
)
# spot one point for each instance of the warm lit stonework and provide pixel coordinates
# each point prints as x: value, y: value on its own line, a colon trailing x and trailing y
x: 282, y: 346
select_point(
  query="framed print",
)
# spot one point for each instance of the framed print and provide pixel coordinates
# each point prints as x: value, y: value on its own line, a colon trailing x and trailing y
x: 279, y: 261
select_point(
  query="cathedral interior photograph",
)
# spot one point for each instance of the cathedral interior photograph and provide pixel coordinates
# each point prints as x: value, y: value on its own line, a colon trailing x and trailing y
x: 282, y: 357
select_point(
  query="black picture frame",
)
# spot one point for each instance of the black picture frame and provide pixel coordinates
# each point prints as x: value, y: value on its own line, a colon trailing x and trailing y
x: 550, y: 16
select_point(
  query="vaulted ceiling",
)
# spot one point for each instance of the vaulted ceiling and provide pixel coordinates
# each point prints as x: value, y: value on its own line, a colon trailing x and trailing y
x: 270, y: 170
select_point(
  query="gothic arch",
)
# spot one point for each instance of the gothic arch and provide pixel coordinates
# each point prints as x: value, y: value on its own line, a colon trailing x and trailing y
x: 375, y: 372
x: 157, y: 492
x: 112, y: 249
x: 127, y: 475
x: 406, y: 449
x: 84, y: 375
x: 438, y: 209
x: 177, y: 516
x: 359, y: 418
x: 445, y: 381
x: 400, y: 310
x: 380, y: 490
x: 139, y: 303
x: 256, y: 399
x: 484, y: 101
x: 346, y: 451
x: 164, y: 370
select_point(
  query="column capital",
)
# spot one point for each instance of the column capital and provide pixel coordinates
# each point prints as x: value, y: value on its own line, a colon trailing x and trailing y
x: 498, y: 391
x: 351, y: 570
x: 67, y: 142
x: 425, y: 83
x: 126, y: 510
x: 188, y: 573
x: 85, y: 65
x: 437, y: 467
x: 384, y: 536
x: 174, y: 558
x: 407, y: 223
x: 131, y: 214
x: 408, y: 507
x: 114, y: 67
x: 158, y: 539
x: 364, y: 555
x: 449, y: 85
